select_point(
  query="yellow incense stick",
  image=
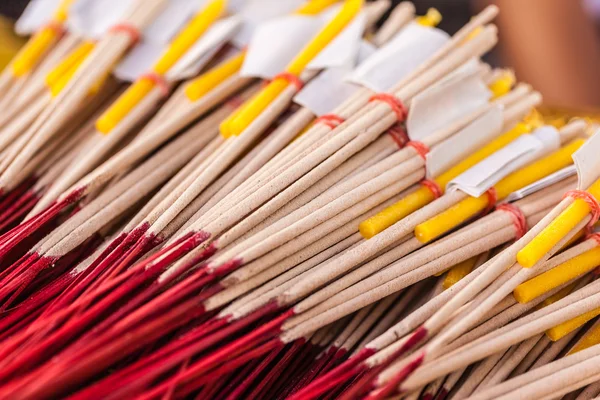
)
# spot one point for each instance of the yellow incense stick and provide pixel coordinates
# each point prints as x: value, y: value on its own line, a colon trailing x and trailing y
x: 557, y: 276
x: 431, y: 19
x: 471, y: 206
x: 569, y: 326
x: 557, y: 229
x: 314, y: 7
x: 180, y: 45
x: 72, y: 59
x: 458, y: 272
x: 255, y: 106
x: 41, y: 42
x: 502, y: 84
x: 591, y: 338
x: 206, y: 82
x: 423, y: 196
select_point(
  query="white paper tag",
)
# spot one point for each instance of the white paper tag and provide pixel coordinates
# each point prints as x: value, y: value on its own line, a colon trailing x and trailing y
x: 36, y: 14
x: 275, y: 43
x: 520, y: 152
x: 474, y: 136
x: 587, y: 161
x: 172, y: 19
x: 93, y: 18
x: 452, y: 98
x: 138, y: 61
x: 396, y: 59
x: 324, y: 93
x: 204, y: 49
x: 256, y: 12
x: 344, y: 49
x: 542, y: 183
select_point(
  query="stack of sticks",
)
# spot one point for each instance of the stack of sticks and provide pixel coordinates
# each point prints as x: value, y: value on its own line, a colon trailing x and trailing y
x: 210, y: 238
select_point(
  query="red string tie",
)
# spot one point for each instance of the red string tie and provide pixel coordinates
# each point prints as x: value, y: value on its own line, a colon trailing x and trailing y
x: 591, y: 202
x: 159, y: 81
x: 420, y: 147
x: 134, y: 33
x: 331, y: 120
x: 290, y: 78
x: 56, y: 27
x: 433, y: 187
x: 399, y: 135
x: 519, y: 220
x: 395, y: 104
x: 492, y: 196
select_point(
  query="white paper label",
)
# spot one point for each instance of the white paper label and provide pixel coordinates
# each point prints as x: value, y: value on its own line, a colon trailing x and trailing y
x: 520, y: 152
x: 474, y: 136
x: 36, y: 14
x: 542, y: 183
x: 93, y: 18
x: 399, y: 57
x: 324, y: 93
x: 587, y: 161
x: 452, y: 98
x: 343, y: 50
x: 204, y: 49
x: 256, y: 12
x: 172, y: 19
x: 276, y: 43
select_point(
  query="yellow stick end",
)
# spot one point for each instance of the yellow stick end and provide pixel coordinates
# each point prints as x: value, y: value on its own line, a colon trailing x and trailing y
x: 451, y: 218
x: 560, y: 331
x: 206, y: 82
x: 431, y: 19
x: 591, y: 338
x: 123, y: 105
x: 459, y: 271
x: 535, y: 250
x: 394, y: 213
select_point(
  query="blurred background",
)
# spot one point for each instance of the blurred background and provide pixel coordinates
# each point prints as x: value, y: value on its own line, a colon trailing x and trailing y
x: 552, y: 44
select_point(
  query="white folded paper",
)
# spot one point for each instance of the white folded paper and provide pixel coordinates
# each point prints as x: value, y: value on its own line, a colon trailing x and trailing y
x: 91, y: 19
x: 520, y: 152
x: 36, y: 14
x: 328, y: 90
x: 587, y: 162
x: 396, y: 59
x: 472, y: 137
x: 275, y: 43
x: 454, y: 97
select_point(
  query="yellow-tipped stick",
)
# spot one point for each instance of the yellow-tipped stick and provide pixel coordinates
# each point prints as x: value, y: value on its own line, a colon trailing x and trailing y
x: 180, y: 45
x: 423, y: 196
x: 458, y: 272
x: 503, y: 84
x: 31, y: 54
x: 470, y: 207
x: 431, y: 19
x: 314, y: 7
x: 557, y: 276
x: 567, y: 327
x: 591, y: 338
x: 75, y: 58
x: 557, y: 229
x: 206, y: 82
x: 255, y: 106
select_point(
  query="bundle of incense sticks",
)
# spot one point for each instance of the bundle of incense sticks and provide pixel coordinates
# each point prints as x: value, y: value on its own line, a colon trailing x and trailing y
x: 265, y: 199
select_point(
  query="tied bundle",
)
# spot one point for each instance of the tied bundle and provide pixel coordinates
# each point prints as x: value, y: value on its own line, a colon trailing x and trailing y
x: 269, y: 199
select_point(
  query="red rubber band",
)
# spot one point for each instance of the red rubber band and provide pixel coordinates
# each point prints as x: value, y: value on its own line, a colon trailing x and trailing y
x: 56, y: 27
x: 420, y: 148
x: 519, y: 220
x: 131, y: 30
x: 395, y: 103
x: 291, y: 78
x: 492, y: 199
x: 433, y: 187
x: 590, y: 200
x: 594, y: 236
x: 159, y: 81
x: 331, y: 120
x: 399, y: 135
